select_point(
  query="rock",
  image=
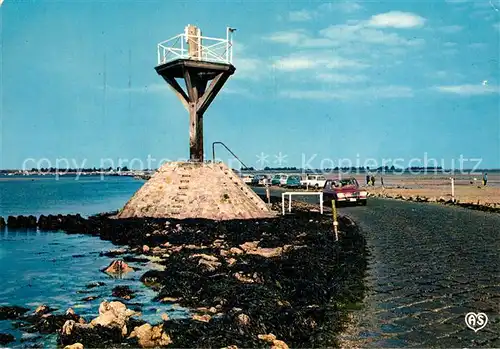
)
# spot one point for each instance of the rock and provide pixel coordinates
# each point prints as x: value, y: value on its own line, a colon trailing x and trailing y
x: 271, y: 338
x: 169, y: 299
x: 113, y: 315
x: 123, y: 292
x: 6, y: 338
x: 158, y: 250
x: 203, y: 318
x: 151, y: 336
x: 267, y: 337
x: 235, y: 250
x: 107, y: 329
x: 278, y: 344
x: 2, y: 222
x: 12, y: 312
x: 432, y: 199
x: 118, y: 267
x: 218, y: 243
x: 41, y: 310
x: 243, y: 319
x: 113, y: 253
x: 74, y: 346
x: 89, y: 298
x: 242, y: 278
x: 21, y: 222
x: 204, y: 256
x: 231, y: 261
x: 95, y: 284
x: 70, y: 311
x: 268, y: 252
x: 164, y: 317
x: 249, y: 245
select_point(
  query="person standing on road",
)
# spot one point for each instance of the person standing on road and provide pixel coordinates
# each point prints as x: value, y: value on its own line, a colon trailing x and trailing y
x: 485, y: 179
x: 373, y: 180
x: 382, y: 181
x: 367, y: 179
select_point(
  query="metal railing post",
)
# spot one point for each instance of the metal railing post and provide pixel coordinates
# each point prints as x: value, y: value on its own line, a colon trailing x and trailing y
x: 229, y: 150
x: 283, y: 203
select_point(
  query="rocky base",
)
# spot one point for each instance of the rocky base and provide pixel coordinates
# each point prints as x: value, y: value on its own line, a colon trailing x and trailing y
x: 273, y: 282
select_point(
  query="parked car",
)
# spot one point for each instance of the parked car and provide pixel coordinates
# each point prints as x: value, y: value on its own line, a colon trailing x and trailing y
x: 247, y: 178
x: 283, y: 179
x: 293, y: 182
x: 314, y: 181
x: 266, y: 180
x: 276, y: 180
x: 260, y: 180
x: 344, y: 190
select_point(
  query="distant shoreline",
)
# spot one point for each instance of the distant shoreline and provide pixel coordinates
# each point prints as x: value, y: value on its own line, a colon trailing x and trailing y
x: 429, y: 171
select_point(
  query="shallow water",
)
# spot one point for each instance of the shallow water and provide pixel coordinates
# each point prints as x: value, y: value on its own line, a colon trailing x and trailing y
x: 53, y: 268
x: 36, y: 195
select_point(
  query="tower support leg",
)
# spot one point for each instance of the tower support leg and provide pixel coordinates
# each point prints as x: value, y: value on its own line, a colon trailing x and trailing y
x: 195, y: 134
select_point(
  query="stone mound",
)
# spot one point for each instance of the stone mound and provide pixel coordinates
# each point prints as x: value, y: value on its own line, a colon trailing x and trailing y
x: 195, y: 190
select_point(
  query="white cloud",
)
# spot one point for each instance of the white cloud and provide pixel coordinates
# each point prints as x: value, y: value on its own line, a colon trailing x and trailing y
x: 1, y: 2
x: 358, y: 33
x: 292, y: 38
x: 468, y: 89
x: 300, y: 16
x: 451, y: 29
x: 445, y: 74
x: 344, y: 6
x: 248, y: 68
x: 340, y: 78
x: 375, y: 92
x: 236, y: 90
x: 345, y: 36
x: 310, y: 14
x: 316, y: 59
x: 396, y: 19
x: 311, y: 94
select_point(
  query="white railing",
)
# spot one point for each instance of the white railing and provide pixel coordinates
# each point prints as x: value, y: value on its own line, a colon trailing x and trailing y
x: 209, y: 49
x: 299, y: 193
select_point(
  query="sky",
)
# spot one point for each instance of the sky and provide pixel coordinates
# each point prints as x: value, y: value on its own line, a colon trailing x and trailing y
x: 317, y: 84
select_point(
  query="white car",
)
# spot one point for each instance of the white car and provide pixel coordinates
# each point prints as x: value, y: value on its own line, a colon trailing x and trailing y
x: 314, y: 181
x: 283, y: 180
x: 247, y: 178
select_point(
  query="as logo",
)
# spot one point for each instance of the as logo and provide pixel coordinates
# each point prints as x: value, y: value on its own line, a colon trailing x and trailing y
x: 476, y: 321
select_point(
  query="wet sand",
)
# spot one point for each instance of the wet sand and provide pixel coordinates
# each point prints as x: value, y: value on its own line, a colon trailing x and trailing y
x: 439, y: 186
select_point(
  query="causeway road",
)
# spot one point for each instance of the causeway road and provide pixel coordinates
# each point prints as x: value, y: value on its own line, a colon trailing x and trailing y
x: 429, y: 266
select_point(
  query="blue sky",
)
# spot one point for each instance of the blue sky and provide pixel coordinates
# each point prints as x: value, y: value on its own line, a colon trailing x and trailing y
x: 338, y: 80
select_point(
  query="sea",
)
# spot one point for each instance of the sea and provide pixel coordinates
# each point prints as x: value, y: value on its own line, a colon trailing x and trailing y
x: 54, y: 268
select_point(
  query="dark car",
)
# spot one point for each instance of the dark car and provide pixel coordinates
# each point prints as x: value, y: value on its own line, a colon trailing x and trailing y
x: 344, y: 190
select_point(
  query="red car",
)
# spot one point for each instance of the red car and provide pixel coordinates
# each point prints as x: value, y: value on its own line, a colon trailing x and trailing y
x: 344, y: 190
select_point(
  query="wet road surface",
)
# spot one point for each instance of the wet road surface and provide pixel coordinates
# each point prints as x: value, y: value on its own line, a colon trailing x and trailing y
x: 429, y: 266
